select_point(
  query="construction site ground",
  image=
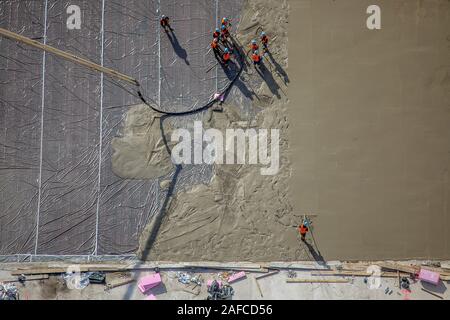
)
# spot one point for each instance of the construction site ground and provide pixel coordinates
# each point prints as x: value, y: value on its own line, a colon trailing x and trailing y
x: 270, y: 287
x: 373, y: 172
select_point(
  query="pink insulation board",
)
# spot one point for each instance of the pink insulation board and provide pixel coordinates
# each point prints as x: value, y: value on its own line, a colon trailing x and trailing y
x: 236, y: 276
x: 149, y: 282
x: 429, y: 276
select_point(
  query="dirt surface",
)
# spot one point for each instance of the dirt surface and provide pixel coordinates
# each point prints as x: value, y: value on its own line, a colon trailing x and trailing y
x: 273, y: 287
x: 240, y: 215
x: 370, y: 146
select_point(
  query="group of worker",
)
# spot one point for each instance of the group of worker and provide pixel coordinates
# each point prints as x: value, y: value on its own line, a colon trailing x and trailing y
x: 221, y: 44
x: 256, y: 57
x: 221, y: 38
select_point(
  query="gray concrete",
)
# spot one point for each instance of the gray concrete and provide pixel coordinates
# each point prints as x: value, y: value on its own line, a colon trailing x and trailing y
x: 369, y: 135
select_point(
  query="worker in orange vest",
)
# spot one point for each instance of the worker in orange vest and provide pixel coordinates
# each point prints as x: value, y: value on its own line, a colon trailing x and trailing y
x: 215, y: 43
x: 226, y: 56
x: 256, y: 58
x: 254, y: 46
x: 165, y: 23
x: 224, y: 33
x: 303, y: 230
x: 264, y: 41
x: 224, y: 21
x: 215, y: 46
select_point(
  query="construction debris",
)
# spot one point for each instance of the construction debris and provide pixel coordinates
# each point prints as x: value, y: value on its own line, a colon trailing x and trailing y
x: 218, y: 286
x: 9, y: 292
x: 23, y: 278
x: 404, y: 283
x: 97, y: 277
x: 217, y: 292
x: 187, y: 278
x: 355, y: 273
x: 236, y: 276
x: 63, y: 269
x: 432, y: 293
x: 119, y: 267
x: 297, y: 280
x: 429, y: 276
x: 118, y: 279
x: 267, y: 274
x: 398, y: 267
x: 76, y: 280
x: 259, y: 287
x: 291, y: 274
x: 149, y: 282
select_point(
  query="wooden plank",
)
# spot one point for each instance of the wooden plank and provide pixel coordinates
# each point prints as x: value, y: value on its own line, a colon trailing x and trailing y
x: 296, y: 280
x: 38, y: 271
x: 259, y: 287
x: 61, y: 270
x: 117, y: 279
x: 412, y: 269
x: 27, y: 278
x: 356, y: 273
x: 68, y: 56
x: 432, y: 293
x: 445, y: 266
x: 111, y: 268
x: 219, y: 265
x: 398, y: 267
x: 267, y: 274
x: 119, y: 282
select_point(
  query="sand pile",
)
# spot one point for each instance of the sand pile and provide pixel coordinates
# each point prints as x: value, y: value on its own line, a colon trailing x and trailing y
x: 140, y: 152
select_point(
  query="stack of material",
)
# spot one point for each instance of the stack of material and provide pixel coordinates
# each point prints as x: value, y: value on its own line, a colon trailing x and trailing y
x: 219, y: 292
x: 414, y: 269
x: 8, y: 292
x: 429, y: 276
x: 236, y: 276
x: 149, y: 282
x: 118, y: 279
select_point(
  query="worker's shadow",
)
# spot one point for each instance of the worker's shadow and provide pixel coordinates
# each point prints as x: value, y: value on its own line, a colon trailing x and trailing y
x: 266, y: 75
x: 179, y: 50
x: 230, y: 71
x: 279, y: 69
x: 317, y: 256
x: 233, y: 68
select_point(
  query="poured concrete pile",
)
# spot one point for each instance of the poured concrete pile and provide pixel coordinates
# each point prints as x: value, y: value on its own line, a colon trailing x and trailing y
x: 140, y: 153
